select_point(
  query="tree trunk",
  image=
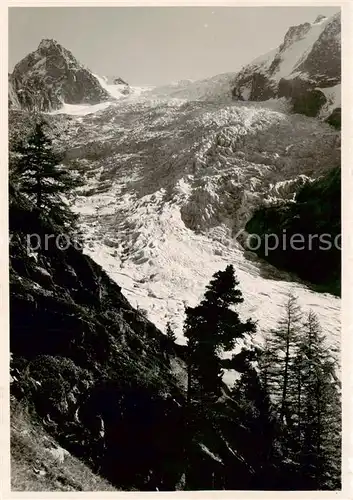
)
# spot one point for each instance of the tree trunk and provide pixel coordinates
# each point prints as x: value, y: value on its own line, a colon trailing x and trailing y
x: 299, y: 390
x: 285, y: 379
x: 188, y: 393
x: 39, y: 191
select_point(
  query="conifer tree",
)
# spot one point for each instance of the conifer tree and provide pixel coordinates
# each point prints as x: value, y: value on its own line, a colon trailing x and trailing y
x: 171, y: 338
x: 257, y: 416
x: 321, y: 410
x: 282, y: 350
x: 210, y: 328
x: 266, y: 359
x: 169, y: 333
x: 296, y: 397
x: 39, y: 174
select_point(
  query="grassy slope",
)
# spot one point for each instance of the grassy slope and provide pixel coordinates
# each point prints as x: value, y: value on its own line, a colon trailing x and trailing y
x: 35, y: 468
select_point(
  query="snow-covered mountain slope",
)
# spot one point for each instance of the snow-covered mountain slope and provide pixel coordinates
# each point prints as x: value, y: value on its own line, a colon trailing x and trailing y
x: 216, y: 88
x: 168, y: 89
x: 309, y: 58
x: 51, y: 77
x: 80, y: 109
x: 170, y: 182
x: 333, y: 100
x: 118, y: 88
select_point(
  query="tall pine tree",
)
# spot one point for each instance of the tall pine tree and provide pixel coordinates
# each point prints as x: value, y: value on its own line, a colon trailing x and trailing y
x: 302, y: 380
x: 38, y: 173
x: 281, y: 348
x: 210, y: 328
x: 320, y: 452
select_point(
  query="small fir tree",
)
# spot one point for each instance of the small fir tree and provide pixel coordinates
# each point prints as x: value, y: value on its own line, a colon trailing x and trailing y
x: 169, y: 333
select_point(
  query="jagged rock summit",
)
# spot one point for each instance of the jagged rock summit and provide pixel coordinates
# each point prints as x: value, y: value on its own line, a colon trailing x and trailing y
x: 306, y: 68
x: 51, y: 76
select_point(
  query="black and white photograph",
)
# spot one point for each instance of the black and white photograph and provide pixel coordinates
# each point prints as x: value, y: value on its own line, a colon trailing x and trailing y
x: 174, y: 222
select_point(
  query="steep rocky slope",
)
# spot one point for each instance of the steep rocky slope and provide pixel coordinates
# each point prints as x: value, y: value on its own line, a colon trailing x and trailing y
x: 81, y: 355
x: 306, y: 68
x: 51, y: 76
x: 39, y: 463
x: 13, y: 101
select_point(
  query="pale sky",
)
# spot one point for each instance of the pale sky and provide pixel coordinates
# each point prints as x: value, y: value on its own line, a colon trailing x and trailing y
x: 157, y: 45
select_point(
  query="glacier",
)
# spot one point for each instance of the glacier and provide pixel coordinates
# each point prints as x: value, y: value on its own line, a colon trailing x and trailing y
x: 169, y: 183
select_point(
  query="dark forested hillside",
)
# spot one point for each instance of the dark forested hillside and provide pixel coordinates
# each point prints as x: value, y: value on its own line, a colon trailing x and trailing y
x: 316, y: 211
x: 82, y: 355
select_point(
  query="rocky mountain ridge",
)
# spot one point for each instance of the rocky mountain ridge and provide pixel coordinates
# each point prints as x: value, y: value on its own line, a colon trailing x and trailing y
x: 51, y: 76
x: 304, y: 68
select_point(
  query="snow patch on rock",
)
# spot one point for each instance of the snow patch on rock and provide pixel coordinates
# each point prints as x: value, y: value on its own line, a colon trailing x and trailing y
x: 333, y: 100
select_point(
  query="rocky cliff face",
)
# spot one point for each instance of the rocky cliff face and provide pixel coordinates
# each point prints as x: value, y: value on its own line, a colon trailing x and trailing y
x: 51, y: 76
x: 304, y: 68
x: 13, y: 100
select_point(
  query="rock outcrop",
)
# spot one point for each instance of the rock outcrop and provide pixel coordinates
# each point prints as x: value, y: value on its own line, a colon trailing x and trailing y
x: 303, y: 69
x: 51, y: 76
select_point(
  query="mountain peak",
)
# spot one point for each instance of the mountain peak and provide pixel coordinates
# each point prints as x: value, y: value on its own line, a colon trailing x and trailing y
x: 294, y: 34
x: 309, y: 59
x: 51, y: 76
x: 319, y: 19
x: 51, y: 47
x: 47, y: 43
